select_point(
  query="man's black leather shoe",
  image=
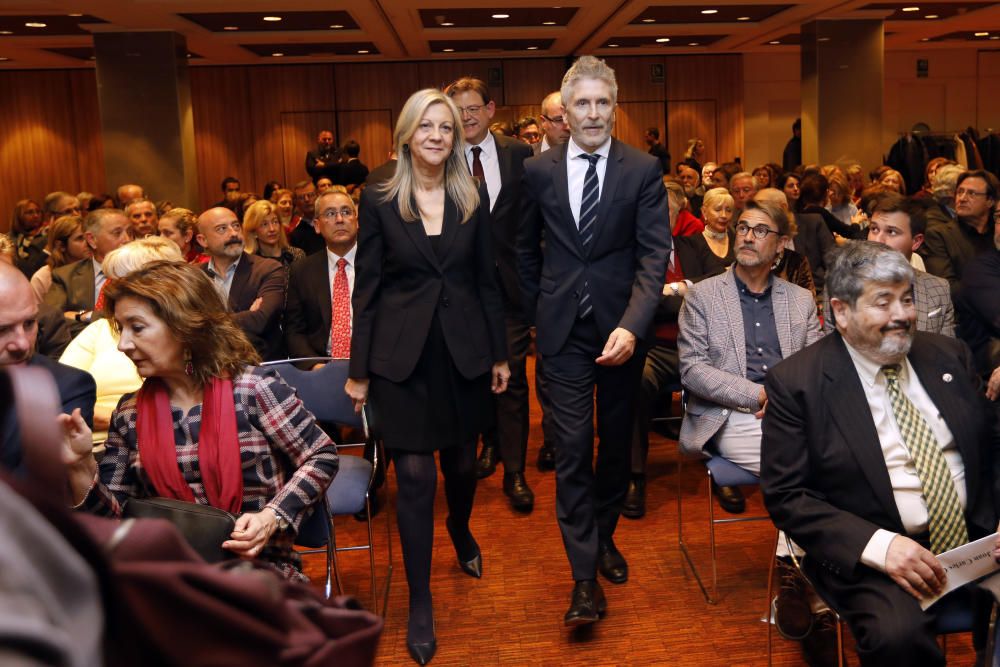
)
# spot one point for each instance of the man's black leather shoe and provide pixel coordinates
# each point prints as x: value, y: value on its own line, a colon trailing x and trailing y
x: 516, y: 489
x: 546, y: 457
x: 634, y: 506
x: 611, y: 564
x: 730, y: 498
x: 486, y: 465
x: 588, y: 604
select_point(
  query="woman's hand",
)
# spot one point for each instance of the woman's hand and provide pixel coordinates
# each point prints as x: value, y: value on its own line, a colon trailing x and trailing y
x: 993, y: 387
x: 357, y: 390
x: 251, y: 533
x: 501, y: 375
x: 78, y: 441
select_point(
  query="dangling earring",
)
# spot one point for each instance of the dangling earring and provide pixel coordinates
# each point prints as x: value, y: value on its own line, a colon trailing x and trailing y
x: 188, y: 365
x: 406, y: 148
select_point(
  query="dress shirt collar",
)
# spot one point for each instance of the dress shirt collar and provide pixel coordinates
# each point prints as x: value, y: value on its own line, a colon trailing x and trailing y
x: 229, y: 272
x: 332, y: 257
x: 742, y: 288
x: 574, y: 150
x: 488, y: 144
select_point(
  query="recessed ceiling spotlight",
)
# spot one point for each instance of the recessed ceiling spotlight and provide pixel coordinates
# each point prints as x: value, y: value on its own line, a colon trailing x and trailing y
x: 75, y: 14
x: 336, y: 26
x: 231, y: 27
x: 775, y: 41
x: 92, y: 58
x: 931, y: 16
x: 612, y: 46
x: 272, y: 18
x: 32, y: 24
x: 663, y: 40
x: 501, y: 16
x: 982, y: 34
x: 649, y: 20
x: 911, y: 9
x: 277, y: 54
x: 6, y: 32
x: 446, y: 23
x: 362, y: 51
x: 710, y: 11
x: 548, y: 23
x: 925, y: 39
x: 692, y: 43
x: 532, y: 48
x: 995, y: 37
x: 742, y: 18
x: 823, y: 39
x: 448, y: 50
x: 4, y: 58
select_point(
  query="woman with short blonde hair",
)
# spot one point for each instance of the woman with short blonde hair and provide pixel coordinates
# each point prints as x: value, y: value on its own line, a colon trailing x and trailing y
x: 264, y: 235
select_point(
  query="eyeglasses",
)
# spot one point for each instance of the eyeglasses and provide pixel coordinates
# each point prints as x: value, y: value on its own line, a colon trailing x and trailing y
x: 558, y: 120
x: 332, y: 213
x: 759, y: 231
x: 472, y: 109
x: 971, y: 194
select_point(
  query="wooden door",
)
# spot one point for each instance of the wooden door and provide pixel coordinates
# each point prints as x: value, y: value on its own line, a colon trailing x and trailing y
x: 372, y: 130
x: 687, y: 119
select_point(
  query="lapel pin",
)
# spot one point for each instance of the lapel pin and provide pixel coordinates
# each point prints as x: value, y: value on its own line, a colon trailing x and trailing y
x: 946, y: 377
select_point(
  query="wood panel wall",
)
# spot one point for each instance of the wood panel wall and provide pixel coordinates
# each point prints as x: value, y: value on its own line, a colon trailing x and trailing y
x: 256, y: 123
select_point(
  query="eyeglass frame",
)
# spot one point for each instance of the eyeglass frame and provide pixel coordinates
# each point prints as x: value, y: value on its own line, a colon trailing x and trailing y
x: 757, y: 234
x: 561, y: 120
x: 972, y: 194
x: 472, y: 109
x: 333, y: 213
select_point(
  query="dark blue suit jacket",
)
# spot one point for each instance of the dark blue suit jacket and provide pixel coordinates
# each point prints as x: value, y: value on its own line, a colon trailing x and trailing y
x: 76, y: 390
x: 626, y: 262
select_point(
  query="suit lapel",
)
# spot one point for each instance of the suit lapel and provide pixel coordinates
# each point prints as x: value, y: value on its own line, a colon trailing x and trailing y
x: 560, y: 182
x: 782, y: 321
x: 852, y: 415
x: 612, y: 175
x: 730, y: 297
x: 239, y: 284
x: 87, y: 278
x: 504, y: 160
x: 415, y: 230
x: 449, y: 227
x: 920, y: 299
x: 322, y: 289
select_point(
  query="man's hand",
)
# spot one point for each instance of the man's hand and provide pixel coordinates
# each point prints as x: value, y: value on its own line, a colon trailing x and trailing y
x: 500, y: 376
x: 762, y: 399
x: 357, y: 391
x: 618, y: 349
x: 914, y: 568
x: 320, y: 164
x: 255, y: 306
x: 993, y: 386
x: 251, y: 533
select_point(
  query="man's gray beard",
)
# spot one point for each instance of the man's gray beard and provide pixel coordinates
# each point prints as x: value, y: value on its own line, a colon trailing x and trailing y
x: 233, y: 251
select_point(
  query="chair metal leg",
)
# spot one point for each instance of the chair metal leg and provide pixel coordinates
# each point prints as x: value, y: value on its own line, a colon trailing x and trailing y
x: 714, y: 598
x: 709, y: 598
x: 331, y: 554
x: 371, y: 553
x: 336, y: 566
x: 768, y: 612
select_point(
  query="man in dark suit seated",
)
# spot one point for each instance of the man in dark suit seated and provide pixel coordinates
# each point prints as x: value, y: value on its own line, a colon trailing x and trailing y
x: 592, y: 292
x: 76, y: 286
x: 687, y: 265
x: 877, y: 454
x: 18, y: 335
x: 254, y: 287
x: 320, y: 286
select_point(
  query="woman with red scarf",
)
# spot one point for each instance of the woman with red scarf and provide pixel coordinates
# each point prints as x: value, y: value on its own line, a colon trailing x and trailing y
x: 207, y: 426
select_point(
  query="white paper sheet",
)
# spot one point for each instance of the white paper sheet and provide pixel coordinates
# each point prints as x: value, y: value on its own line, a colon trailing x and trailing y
x: 964, y: 564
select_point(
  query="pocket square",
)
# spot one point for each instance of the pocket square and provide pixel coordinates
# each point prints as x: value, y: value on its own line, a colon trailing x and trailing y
x: 934, y: 313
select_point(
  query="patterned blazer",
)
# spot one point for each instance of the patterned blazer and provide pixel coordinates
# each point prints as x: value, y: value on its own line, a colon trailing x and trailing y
x: 712, y: 349
x: 931, y: 296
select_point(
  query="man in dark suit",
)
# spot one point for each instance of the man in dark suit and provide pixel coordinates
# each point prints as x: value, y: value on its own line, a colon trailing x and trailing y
x: 325, y: 160
x: 656, y: 149
x: 498, y: 161
x: 303, y: 234
x: 555, y: 130
x: 877, y: 454
x: 75, y: 287
x: 253, y: 287
x: 592, y: 293
x: 313, y: 282
x: 352, y: 172
x: 18, y: 337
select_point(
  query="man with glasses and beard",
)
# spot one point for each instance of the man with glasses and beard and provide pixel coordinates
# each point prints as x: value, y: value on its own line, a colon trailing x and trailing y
x: 254, y: 287
x: 877, y: 456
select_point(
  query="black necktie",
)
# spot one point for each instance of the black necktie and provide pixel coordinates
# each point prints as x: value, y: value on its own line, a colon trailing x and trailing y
x: 588, y: 216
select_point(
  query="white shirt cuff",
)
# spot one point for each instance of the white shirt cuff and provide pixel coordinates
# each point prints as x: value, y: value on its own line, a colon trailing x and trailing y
x: 877, y: 548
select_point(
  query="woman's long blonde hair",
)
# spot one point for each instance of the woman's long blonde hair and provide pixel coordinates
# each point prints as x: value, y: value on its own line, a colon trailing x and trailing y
x: 253, y: 218
x: 459, y: 184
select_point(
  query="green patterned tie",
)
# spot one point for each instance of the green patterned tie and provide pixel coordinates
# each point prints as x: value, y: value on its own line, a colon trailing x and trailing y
x: 945, y: 519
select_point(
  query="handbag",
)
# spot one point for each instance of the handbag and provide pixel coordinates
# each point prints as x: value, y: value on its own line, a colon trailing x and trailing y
x: 163, y: 605
x: 204, y: 527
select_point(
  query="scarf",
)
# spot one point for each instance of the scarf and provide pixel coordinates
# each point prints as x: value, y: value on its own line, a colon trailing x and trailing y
x: 218, y: 445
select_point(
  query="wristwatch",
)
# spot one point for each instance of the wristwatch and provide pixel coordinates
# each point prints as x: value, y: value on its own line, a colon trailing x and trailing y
x: 79, y: 315
x: 675, y: 288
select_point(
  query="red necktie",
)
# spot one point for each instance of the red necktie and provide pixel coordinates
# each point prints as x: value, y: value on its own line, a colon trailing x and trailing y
x: 340, y: 326
x: 477, y: 166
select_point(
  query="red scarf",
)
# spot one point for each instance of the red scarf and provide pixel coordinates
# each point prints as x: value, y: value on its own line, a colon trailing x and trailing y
x: 218, y: 445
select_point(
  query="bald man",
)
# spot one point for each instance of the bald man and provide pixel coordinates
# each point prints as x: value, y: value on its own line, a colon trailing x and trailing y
x: 252, y: 286
x: 18, y: 338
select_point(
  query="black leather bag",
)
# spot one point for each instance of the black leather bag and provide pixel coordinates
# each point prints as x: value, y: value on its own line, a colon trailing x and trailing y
x: 204, y: 527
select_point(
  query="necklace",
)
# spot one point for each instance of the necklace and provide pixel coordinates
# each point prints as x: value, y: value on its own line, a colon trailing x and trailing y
x: 715, y: 236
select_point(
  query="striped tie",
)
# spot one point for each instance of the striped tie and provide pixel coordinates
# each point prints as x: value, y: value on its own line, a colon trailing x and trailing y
x: 588, y: 216
x: 945, y: 519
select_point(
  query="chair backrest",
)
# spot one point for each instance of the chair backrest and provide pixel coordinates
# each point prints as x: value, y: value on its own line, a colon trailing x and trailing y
x: 321, y: 390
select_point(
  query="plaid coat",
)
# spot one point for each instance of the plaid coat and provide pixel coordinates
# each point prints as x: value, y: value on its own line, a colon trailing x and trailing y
x: 288, y: 461
x: 711, y: 345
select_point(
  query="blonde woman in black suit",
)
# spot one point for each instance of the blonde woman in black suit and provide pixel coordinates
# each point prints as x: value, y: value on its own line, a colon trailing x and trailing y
x: 428, y: 342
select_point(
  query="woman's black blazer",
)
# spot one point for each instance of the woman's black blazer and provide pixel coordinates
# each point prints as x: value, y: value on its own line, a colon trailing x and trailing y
x: 400, y: 283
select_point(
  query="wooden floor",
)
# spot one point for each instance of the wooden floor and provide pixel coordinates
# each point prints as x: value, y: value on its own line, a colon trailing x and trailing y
x: 513, y: 615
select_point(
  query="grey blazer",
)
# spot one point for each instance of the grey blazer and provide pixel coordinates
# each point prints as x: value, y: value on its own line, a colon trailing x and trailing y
x: 712, y: 350
x: 931, y: 296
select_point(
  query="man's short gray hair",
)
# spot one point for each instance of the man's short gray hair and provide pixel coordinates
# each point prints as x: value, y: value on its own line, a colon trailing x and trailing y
x: 51, y: 202
x: 92, y: 223
x: 137, y: 202
x: 588, y: 67
x: 342, y: 191
x: 854, y: 264
x: 946, y: 181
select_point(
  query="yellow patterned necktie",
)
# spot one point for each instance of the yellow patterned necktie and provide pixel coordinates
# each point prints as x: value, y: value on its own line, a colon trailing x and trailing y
x: 945, y: 519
